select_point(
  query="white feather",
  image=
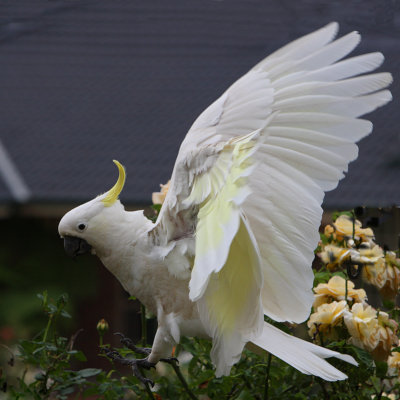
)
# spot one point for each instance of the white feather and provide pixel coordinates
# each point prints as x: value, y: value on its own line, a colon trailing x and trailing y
x: 306, y: 357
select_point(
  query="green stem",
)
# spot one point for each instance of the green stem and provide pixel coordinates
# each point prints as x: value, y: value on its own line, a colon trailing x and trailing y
x: 183, y: 381
x: 149, y: 392
x: 46, y: 331
x: 101, y: 340
x: 144, y: 325
x: 266, y: 387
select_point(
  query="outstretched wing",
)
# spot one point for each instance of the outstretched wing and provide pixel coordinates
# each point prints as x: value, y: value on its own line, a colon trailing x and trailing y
x: 295, y: 120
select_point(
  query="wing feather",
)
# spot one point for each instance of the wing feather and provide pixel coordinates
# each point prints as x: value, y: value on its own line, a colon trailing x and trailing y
x: 285, y: 132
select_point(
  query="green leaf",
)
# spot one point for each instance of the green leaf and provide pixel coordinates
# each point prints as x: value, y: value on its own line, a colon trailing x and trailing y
x: 39, y: 376
x: 65, y: 314
x: 67, y: 390
x: 85, y: 373
x: 321, y: 277
x: 381, y: 369
x: 388, y: 304
x: 79, y: 355
x: 51, y: 309
x: 156, y: 207
x: 362, y: 356
x: 62, y: 301
x: 337, y: 214
x: 38, y: 350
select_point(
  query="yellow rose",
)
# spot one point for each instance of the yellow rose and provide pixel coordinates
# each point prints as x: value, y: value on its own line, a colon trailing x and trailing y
x: 333, y: 255
x: 394, y: 360
x: 376, y: 274
x: 386, y: 335
x: 362, y: 324
x: 368, y: 255
x: 329, y: 230
x: 391, y: 259
x: 392, y: 285
x: 344, y: 227
x: 159, y: 197
x: 336, y: 289
x: 326, y: 318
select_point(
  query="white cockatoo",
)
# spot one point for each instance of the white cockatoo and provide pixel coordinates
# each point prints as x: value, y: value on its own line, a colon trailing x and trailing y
x: 236, y: 234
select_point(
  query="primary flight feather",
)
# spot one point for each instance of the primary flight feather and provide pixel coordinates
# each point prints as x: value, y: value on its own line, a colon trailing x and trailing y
x: 236, y: 234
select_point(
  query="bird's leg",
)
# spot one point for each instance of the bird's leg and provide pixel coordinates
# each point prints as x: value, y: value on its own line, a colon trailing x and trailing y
x: 135, y: 364
x: 162, y: 347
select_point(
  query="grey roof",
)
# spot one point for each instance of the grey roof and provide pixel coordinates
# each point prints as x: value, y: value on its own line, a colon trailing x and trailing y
x: 84, y: 82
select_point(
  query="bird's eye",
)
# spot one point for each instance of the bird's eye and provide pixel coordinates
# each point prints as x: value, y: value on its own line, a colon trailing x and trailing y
x: 81, y: 227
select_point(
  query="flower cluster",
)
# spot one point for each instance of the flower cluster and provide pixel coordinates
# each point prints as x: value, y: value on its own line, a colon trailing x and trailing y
x: 340, y: 310
x: 335, y: 306
x: 345, y: 242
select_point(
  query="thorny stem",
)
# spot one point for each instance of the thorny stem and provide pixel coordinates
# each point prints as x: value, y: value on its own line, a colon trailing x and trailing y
x: 144, y: 325
x: 321, y: 382
x: 266, y: 387
x: 247, y: 383
x: 233, y: 391
x: 288, y: 389
x: 183, y: 381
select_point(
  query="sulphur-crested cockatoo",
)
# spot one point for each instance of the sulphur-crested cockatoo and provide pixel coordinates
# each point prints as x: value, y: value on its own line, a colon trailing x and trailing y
x: 235, y: 237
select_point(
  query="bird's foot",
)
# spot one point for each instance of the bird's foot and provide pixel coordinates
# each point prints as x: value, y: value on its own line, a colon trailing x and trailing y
x: 135, y: 364
x: 170, y: 360
x: 142, y: 350
x: 131, y: 346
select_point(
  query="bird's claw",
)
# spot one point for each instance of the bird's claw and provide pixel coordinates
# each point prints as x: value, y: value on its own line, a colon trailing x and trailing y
x: 135, y: 364
x: 130, y: 345
x: 142, y: 363
x: 170, y: 360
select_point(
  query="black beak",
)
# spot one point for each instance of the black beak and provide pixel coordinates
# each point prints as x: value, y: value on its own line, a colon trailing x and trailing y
x: 74, y: 246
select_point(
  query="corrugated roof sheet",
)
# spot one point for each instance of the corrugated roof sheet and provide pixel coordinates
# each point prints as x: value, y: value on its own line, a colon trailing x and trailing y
x: 84, y: 82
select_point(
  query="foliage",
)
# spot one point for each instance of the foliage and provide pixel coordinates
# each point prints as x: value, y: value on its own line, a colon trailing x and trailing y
x: 25, y: 273
x: 50, y: 359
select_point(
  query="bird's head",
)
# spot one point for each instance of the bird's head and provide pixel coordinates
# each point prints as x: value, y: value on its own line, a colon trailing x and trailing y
x: 88, y: 226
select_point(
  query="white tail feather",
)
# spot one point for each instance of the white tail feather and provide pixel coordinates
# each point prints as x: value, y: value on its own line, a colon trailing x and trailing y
x: 308, y: 358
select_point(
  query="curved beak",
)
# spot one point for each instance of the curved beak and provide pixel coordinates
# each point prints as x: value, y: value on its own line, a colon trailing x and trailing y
x: 74, y: 246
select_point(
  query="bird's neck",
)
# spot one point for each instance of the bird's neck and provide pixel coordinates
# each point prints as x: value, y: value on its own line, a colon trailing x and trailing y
x: 125, y: 242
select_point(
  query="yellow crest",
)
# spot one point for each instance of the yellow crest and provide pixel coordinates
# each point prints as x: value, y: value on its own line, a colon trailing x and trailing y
x: 112, y: 195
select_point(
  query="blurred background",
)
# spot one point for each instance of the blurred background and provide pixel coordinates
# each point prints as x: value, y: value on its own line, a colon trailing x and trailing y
x: 83, y: 82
